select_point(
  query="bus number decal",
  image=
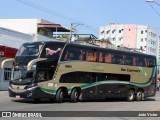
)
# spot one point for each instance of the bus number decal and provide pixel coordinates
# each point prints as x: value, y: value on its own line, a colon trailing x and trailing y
x: 68, y: 66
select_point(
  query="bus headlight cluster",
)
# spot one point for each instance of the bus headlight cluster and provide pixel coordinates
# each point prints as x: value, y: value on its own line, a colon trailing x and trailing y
x: 34, y: 66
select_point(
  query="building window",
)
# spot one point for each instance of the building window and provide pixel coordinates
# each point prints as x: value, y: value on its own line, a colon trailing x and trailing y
x: 113, y: 31
x: 141, y: 39
x: 146, y: 31
x: 108, y: 31
x: 141, y: 31
x: 145, y: 39
x: 119, y: 31
x: 102, y: 32
x: 7, y: 73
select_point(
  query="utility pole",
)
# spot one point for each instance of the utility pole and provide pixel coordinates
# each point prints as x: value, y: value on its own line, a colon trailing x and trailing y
x: 73, y: 26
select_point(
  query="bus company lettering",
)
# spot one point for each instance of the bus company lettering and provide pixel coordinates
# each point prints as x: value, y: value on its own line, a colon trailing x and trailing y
x: 129, y: 70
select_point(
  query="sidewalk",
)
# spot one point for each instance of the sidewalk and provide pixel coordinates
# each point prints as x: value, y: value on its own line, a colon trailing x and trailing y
x: 3, y: 91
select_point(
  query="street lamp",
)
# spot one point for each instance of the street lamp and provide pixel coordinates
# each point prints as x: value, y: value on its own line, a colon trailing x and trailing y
x: 153, y: 1
x: 149, y: 0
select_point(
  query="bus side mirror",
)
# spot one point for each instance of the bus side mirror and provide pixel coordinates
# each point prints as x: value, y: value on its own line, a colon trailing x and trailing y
x: 5, y: 61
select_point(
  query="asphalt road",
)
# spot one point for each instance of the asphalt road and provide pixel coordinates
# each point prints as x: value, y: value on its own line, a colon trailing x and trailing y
x: 149, y: 104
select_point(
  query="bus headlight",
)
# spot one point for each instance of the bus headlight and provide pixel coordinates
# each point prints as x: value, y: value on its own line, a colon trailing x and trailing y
x: 31, y: 86
x: 34, y: 66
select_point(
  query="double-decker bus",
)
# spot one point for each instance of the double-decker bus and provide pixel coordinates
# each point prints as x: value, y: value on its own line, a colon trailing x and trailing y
x: 59, y: 70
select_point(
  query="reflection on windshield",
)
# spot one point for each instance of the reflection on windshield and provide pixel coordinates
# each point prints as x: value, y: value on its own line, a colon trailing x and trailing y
x: 21, y: 72
x: 30, y: 49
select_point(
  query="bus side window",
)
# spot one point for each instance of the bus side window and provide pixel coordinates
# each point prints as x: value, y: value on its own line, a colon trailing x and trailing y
x: 100, y: 57
x: 108, y: 58
x: 95, y: 56
x: 151, y: 63
x: 134, y: 61
x: 81, y: 55
x: 141, y: 62
x: 124, y: 59
x: 91, y: 56
x: 146, y: 64
x: 129, y: 60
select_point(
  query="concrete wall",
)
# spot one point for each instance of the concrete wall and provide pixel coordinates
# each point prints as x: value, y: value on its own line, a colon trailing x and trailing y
x: 130, y: 33
x: 28, y: 26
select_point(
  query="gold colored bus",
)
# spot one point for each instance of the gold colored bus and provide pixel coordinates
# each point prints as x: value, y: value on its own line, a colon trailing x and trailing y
x: 59, y: 70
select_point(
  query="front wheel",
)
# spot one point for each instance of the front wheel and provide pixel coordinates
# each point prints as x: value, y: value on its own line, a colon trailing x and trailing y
x: 59, y: 96
x: 131, y: 96
x: 74, y: 95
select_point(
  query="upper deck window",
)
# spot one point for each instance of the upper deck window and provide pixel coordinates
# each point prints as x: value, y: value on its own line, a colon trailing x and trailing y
x: 52, y: 51
x: 30, y: 49
x: 72, y: 53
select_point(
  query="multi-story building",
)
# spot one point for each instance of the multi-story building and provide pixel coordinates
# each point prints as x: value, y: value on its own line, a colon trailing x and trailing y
x: 134, y: 36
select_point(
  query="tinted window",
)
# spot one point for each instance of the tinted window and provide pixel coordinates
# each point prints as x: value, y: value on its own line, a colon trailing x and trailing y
x: 128, y: 60
x: 117, y: 58
x: 72, y: 53
x: 30, y: 49
x: 151, y: 62
x: 52, y: 51
x: 76, y: 77
x: 140, y: 61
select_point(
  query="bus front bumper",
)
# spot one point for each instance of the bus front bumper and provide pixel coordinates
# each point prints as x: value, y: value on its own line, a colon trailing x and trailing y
x: 33, y: 93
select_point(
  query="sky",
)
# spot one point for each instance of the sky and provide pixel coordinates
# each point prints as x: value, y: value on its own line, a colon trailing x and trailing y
x: 89, y: 15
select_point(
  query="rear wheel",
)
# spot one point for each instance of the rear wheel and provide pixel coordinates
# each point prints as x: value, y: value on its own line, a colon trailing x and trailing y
x: 131, y: 96
x: 59, y: 96
x: 74, y: 95
x: 139, y: 95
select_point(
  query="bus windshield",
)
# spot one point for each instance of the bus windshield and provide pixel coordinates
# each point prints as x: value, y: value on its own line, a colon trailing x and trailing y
x: 30, y: 49
x: 21, y: 74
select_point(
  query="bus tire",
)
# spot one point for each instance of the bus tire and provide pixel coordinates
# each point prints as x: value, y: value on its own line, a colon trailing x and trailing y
x: 74, y: 95
x: 59, y: 96
x: 139, y: 95
x: 131, y: 95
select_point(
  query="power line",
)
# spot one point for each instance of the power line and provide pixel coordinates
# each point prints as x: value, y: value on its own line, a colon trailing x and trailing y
x: 154, y: 9
x: 46, y: 10
x: 39, y: 7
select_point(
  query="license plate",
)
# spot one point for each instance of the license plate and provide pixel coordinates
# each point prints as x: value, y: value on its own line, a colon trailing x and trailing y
x: 17, y: 96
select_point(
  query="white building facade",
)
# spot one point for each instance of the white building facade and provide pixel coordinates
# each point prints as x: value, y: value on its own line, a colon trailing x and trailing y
x: 131, y: 36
